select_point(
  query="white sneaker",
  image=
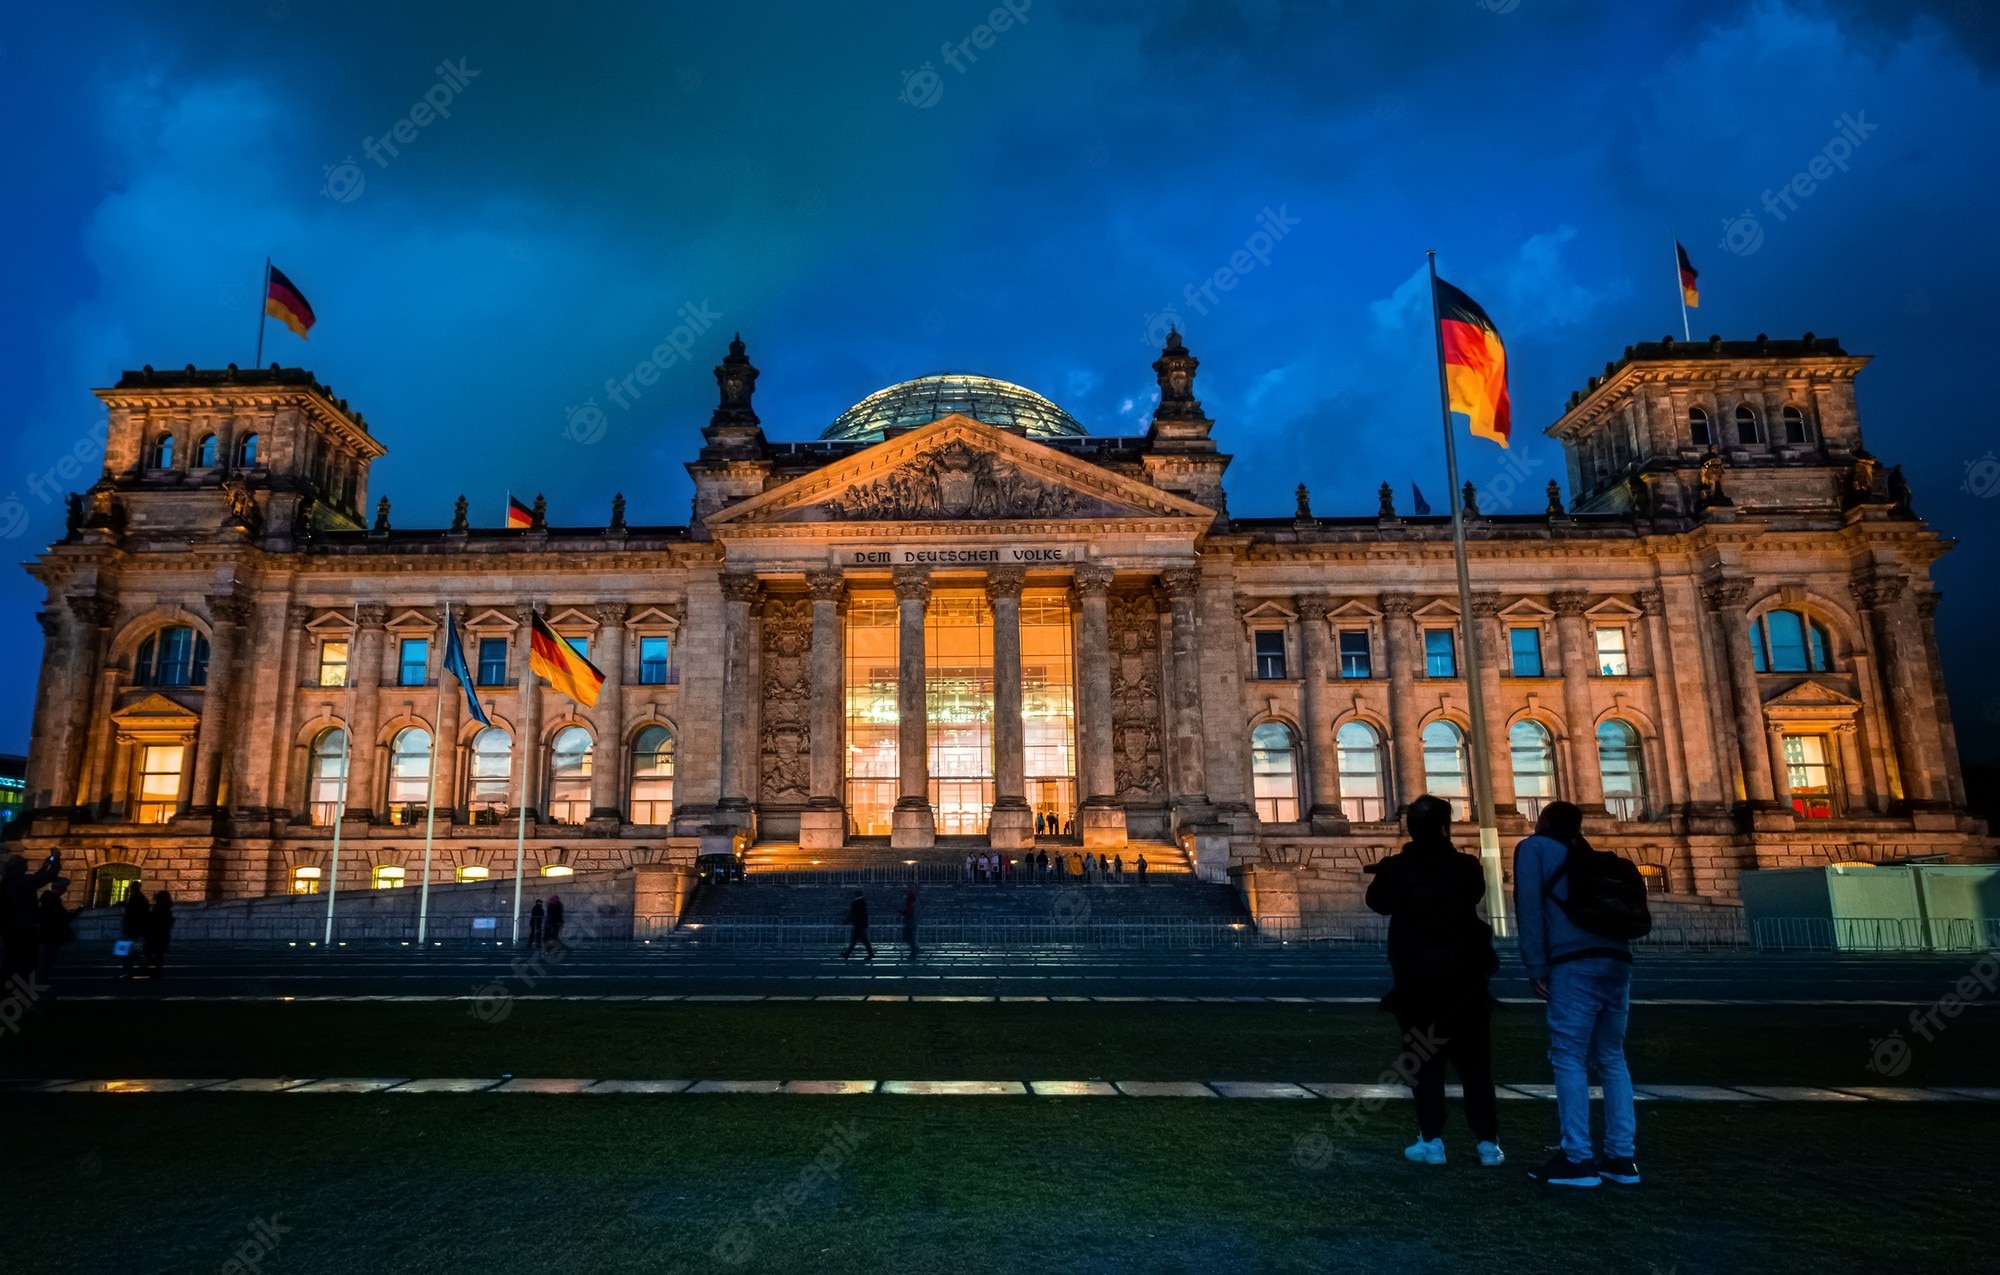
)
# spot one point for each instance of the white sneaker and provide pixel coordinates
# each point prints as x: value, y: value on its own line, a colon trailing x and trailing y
x: 1491, y: 1156
x: 1425, y: 1151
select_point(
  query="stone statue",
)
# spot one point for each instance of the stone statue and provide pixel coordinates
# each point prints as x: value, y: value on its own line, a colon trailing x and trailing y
x: 72, y: 516
x: 1863, y: 480
x: 458, y: 515
x: 1305, y: 504
x: 1471, y: 504
x: 618, y: 511
x: 1899, y: 491
x: 381, y: 514
x: 1387, y: 497
x: 242, y: 511
x: 1174, y: 370
x: 538, y: 518
x: 1639, y: 495
x: 1555, y: 499
x: 1711, y: 481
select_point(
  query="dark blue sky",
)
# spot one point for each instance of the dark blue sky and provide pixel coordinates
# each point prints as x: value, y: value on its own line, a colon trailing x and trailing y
x: 1034, y: 210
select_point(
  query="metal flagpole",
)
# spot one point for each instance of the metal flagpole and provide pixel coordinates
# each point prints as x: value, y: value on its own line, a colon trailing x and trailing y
x: 430, y: 792
x: 346, y: 750
x: 1680, y: 290
x: 521, y: 800
x: 262, y: 297
x: 1482, y: 770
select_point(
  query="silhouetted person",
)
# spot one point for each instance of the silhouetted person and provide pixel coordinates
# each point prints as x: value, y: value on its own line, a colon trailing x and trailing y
x: 1142, y: 869
x: 18, y: 920
x: 857, y: 926
x: 159, y: 932
x: 1441, y: 954
x: 535, y: 924
x: 910, y: 920
x: 53, y: 924
x: 1042, y: 865
x: 132, y: 924
x: 552, y: 926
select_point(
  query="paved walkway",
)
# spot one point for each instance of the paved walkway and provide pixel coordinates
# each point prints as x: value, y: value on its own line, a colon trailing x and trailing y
x: 1238, y: 1089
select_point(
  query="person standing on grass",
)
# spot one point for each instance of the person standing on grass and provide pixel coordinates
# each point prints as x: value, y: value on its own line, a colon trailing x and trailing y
x: 910, y: 920
x: 1586, y: 977
x: 132, y: 925
x: 159, y: 932
x: 857, y: 926
x: 552, y: 925
x: 1441, y: 955
x: 535, y: 924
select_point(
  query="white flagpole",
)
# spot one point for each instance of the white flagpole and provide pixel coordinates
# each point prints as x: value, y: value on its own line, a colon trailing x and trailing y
x: 263, y: 299
x: 526, y: 755
x: 1680, y: 289
x: 346, y: 750
x: 430, y: 789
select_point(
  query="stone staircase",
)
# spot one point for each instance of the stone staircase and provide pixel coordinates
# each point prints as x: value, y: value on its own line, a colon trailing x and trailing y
x: 1168, y: 899
x: 946, y: 860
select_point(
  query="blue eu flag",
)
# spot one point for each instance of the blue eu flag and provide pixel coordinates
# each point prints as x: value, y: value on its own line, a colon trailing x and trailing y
x: 1423, y: 506
x: 454, y: 659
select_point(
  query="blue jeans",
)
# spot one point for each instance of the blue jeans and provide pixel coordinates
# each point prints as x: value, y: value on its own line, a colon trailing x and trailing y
x: 1589, y: 1002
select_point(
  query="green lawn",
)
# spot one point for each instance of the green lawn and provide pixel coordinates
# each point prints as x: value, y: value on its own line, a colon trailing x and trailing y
x: 530, y: 1183
x: 1726, y: 1044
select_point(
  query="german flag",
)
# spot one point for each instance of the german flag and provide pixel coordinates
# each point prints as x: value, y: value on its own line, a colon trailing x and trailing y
x: 550, y: 656
x: 285, y: 303
x: 1475, y: 362
x: 519, y: 516
x: 1690, y: 295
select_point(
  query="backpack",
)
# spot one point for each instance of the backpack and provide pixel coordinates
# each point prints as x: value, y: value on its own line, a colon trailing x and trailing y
x: 1607, y: 896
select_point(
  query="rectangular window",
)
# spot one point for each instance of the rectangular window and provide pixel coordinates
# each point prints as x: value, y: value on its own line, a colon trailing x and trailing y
x: 1525, y: 645
x: 873, y: 713
x: 1440, y: 653
x: 1048, y: 706
x: 581, y: 645
x: 1354, y: 661
x: 1611, y: 652
x: 492, y: 661
x: 333, y: 663
x: 1270, y: 655
x: 653, y: 661
x: 1809, y: 774
x: 159, y: 782
x: 412, y: 661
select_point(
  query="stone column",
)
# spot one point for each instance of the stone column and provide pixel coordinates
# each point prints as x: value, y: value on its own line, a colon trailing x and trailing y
x: 739, y: 697
x: 211, y: 786
x: 48, y: 783
x: 607, y: 761
x: 1666, y: 700
x: 1953, y: 779
x: 1406, y: 744
x: 913, y: 824
x: 364, y: 675
x: 528, y: 772
x: 1102, y: 818
x: 1494, y: 650
x: 1324, y: 757
x: 823, y: 823
x: 1781, y: 779
x: 1012, y: 826
x: 1189, y: 754
x: 1578, y: 654
x: 1905, y: 664
x: 1728, y: 600
x: 92, y: 702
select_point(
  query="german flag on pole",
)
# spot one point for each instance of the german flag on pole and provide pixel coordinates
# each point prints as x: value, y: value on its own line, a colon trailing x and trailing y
x: 519, y: 516
x: 285, y: 303
x: 1690, y: 295
x: 551, y: 657
x: 1475, y: 363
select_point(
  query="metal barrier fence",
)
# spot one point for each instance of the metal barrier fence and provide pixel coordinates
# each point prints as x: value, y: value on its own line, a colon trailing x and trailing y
x: 950, y: 874
x: 1137, y: 932
x: 1877, y: 934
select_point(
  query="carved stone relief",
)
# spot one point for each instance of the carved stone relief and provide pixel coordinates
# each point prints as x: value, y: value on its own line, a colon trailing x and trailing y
x: 959, y: 481
x: 1135, y: 697
x: 787, y: 733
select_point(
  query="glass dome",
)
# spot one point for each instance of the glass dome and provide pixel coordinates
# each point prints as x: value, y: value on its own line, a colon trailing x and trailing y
x: 925, y: 399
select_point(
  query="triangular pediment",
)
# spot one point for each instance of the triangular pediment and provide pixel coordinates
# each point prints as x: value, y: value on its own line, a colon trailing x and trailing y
x: 155, y: 719
x: 1813, y: 696
x: 957, y: 469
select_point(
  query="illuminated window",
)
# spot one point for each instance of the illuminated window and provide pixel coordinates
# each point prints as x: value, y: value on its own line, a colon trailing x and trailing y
x: 1525, y: 646
x: 1623, y: 769
x: 1787, y: 642
x: 653, y: 776
x: 569, y: 776
x: 112, y: 883
x: 1534, y: 764
x: 409, y: 775
x: 1611, y: 652
x: 327, y: 783
x: 1274, y: 773
x: 558, y: 870
x: 958, y: 699
x: 872, y: 713
x: 412, y: 661
x: 1699, y: 428
x: 473, y: 872
x: 1444, y: 766
x: 1354, y: 655
x: 1440, y: 653
x: 160, y: 781
x: 1048, y: 704
x: 176, y: 656
x: 1270, y: 654
x: 1362, y: 789
x: 246, y: 452
x: 1809, y: 775
x: 387, y: 877
x: 305, y: 880
x: 489, y: 778
x: 333, y: 663
x: 204, y: 452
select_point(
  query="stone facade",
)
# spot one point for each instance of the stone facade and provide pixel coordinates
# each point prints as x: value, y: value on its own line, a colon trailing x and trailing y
x: 1723, y: 650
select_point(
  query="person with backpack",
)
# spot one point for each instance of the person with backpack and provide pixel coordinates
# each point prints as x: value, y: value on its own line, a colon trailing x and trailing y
x: 1577, y: 910
x: 1441, y: 956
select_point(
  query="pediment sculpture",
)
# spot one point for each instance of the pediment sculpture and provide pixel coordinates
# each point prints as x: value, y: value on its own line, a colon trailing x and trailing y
x: 957, y: 480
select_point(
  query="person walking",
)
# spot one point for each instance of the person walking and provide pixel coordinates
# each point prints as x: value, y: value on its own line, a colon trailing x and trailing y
x: 553, y: 922
x: 159, y: 932
x: 54, y: 928
x: 132, y: 926
x: 535, y: 924
x: 1586, y: 978
x: 1440, y: 956
x: 857, y: 926
x: 910, y: 920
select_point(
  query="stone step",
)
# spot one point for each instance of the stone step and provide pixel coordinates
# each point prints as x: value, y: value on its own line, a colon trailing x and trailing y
x: 1180, y: 898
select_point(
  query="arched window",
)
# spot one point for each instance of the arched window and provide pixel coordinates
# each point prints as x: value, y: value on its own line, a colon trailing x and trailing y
x: 327, y: 778
x: 1361, y: 787
x: 1534, y: 761
x: 1795, y: 425
x: 489, y: 778
x: 1274, y: 773
x: 1623, y: 770
x: 204, y: 452
x: 176, y: 656
x: 1787, y: 642
x: 1444, y: 766
x: 1699, y: 429
x: 246, y: 452
x: 409, y: 775
x: 1747, y: 430
x: 569, y: 776
x: 162, y: 454
x: 653, y: 776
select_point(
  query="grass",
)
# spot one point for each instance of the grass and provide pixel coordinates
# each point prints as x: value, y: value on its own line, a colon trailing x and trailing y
x: 505, y: 1182
x: 1690, y: 1045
